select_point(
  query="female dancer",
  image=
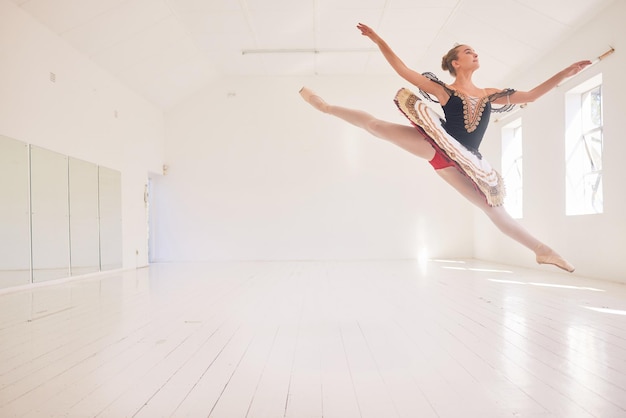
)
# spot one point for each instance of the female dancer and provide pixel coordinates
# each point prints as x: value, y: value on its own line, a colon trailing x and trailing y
x: 451, y: 146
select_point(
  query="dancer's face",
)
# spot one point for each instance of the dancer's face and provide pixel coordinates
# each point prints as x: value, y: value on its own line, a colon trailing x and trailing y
x: 467, y: 58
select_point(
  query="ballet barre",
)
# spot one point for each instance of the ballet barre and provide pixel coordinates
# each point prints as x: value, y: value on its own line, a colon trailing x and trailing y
x: 593, y: 62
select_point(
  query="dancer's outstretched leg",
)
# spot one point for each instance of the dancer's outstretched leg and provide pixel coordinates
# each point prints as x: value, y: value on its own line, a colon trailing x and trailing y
x: 411, y: 140
x: 406, y: 137
x: 504, y: 221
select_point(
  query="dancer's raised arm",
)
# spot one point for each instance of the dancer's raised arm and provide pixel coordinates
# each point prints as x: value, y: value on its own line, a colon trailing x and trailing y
x: 400, y: 67
x: 546, y: 86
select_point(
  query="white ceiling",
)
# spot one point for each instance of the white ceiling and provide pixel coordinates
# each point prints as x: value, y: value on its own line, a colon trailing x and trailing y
x: 167, y: 49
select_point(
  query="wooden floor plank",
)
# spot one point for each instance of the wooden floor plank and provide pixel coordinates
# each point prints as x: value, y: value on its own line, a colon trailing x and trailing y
x: 316, y: 339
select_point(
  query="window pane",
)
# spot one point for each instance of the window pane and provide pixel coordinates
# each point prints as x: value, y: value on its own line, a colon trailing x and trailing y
x: 584, y: 149
x: 512, y: 168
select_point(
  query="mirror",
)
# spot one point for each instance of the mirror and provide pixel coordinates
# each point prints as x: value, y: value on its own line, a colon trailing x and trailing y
x: 50, y: 215
x: 14, y: 213
x: 110, y: 186
x: 59, y: 216
x: 83, y: 198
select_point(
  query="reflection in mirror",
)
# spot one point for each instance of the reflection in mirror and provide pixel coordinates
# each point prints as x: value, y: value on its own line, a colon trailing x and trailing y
x: 14, y: 213
x: 84, y: 239
x: 110, y: 186
x: 50, y: 215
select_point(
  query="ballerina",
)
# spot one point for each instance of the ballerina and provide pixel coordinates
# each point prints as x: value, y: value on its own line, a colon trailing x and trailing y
x: 451, y: 146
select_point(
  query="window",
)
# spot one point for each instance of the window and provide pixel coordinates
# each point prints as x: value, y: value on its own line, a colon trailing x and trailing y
x: 512, y: 167
x: 583, y: 148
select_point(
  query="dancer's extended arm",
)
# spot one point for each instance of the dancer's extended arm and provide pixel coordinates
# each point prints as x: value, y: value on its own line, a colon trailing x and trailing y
x: 546, y: 86
x: 400, y: 67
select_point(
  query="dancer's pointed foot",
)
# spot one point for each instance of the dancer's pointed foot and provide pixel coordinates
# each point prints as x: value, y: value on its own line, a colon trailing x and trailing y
x: 546, y: 255
x: 313, y: 99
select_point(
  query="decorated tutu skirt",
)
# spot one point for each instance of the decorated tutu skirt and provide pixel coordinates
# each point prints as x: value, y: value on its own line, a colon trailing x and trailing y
x: 485, y: 178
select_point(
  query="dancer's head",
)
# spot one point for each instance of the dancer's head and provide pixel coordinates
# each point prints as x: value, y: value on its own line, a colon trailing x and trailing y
x: 457, y: 57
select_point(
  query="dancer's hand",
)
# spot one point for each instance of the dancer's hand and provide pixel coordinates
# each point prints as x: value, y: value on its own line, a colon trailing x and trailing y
x: 369, y: 32
x: 575, y: 68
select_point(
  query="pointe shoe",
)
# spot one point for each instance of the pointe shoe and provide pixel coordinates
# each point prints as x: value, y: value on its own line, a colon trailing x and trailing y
x: 313, y: 99
x: 555, y: 260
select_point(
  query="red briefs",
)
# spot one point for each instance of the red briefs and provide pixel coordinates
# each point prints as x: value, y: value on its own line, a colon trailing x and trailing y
x: 441, y: 160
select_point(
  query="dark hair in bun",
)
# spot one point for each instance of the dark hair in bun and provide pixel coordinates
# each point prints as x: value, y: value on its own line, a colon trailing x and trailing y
x: 446, y: 61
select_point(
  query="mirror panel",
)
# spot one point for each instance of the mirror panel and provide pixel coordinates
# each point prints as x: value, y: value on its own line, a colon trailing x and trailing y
x: 14, y: 213
x: 50, y: 215
x: 59, y: 216
x: 84, y: 234
x: 110, y: 186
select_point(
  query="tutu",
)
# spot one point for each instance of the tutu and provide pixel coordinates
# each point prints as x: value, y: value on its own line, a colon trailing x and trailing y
x: 486, y: 180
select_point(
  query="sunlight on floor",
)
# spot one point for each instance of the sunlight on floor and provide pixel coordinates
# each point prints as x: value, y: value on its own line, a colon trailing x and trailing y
x: 560, y: 286
x: 478, y: 269
x: 606, y: 310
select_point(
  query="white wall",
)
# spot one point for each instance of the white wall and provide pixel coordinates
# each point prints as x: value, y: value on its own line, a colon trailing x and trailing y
x: 257, y: 174
x: 75, y: 115
x: 595, y: 244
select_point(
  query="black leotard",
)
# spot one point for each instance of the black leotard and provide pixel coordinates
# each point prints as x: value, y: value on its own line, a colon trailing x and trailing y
x: 466, y: 117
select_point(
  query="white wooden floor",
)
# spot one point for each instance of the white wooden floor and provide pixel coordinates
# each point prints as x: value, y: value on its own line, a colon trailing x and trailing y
x: 316, y: 339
